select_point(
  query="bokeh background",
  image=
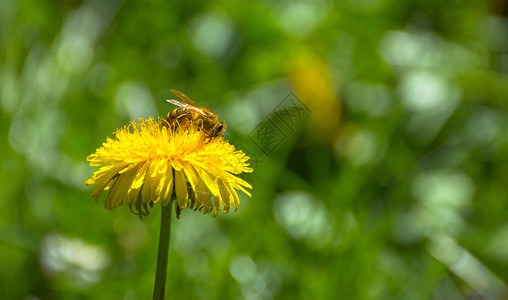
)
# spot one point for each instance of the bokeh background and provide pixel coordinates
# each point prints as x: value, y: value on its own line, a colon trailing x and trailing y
x: 387, y: 180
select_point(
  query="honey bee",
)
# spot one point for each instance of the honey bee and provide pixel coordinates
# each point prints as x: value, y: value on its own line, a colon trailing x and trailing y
x: 188, y: 111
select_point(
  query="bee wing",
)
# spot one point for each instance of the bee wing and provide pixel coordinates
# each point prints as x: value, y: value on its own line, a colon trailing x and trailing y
x: 184, y: 98
x: 187, y: 106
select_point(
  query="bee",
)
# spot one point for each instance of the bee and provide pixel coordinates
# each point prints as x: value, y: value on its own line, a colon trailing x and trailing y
x: 189, y: 112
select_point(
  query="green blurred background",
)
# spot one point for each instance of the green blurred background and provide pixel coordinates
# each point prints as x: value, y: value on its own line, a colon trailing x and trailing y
x: 395, y: 186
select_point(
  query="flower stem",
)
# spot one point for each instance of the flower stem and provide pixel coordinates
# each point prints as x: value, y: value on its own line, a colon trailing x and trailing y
x: 162, y: 255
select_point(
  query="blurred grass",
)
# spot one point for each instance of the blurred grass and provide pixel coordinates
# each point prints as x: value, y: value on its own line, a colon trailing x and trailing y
x: 393, y: 188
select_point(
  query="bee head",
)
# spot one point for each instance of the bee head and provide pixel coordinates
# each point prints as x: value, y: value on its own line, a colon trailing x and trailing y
x: 219, y: 128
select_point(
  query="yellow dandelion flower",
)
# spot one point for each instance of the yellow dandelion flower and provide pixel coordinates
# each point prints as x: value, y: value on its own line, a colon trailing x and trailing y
x: 147, y: 163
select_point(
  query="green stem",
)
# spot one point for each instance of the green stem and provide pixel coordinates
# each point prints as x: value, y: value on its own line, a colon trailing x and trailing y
x: 162, y: 255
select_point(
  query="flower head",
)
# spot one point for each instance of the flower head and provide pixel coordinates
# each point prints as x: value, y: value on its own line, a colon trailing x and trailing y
x: 148, y: 163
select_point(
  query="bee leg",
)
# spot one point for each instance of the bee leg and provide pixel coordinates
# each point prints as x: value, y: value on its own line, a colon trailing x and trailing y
x: 211, y: 135
x: 200, y: 125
